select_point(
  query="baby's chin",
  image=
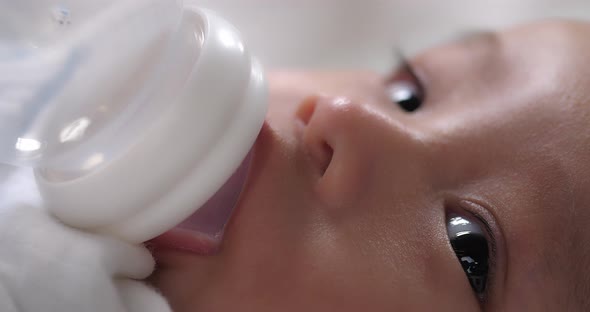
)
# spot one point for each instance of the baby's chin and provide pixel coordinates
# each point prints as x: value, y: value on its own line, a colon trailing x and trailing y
x: 181, y: 277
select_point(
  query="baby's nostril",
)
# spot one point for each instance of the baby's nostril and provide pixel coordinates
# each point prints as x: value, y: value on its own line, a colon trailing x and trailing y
x: 326, y: 157
x: 306, y: 109
x: 317, y: 144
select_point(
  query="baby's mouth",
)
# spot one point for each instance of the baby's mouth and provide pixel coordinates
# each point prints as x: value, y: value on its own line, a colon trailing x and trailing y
x: 202, y: 232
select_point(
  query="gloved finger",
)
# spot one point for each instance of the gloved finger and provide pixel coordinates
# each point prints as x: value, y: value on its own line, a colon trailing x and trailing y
x: 127, y: 260
x: 138, y: 297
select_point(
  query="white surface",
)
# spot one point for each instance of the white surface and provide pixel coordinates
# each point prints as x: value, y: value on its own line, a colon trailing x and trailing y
x: 46, y: 266
x: 362, y: 33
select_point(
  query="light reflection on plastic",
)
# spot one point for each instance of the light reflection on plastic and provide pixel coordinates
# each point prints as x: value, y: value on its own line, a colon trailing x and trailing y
x: 230, y: 40
x: 74, y: 131
x: 94, y: 161
x: 27, y: 145
x: 258, y: 75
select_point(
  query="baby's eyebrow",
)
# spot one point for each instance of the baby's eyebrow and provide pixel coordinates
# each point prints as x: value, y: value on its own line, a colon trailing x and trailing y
x: 483, y: 47
x: 476, y: 37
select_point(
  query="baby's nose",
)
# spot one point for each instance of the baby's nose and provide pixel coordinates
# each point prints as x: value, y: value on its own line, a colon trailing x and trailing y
x: 344, y: 140
x: 353, y: 144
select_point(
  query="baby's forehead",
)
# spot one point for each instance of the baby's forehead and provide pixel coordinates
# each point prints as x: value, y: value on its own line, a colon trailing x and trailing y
x: 551, y: 234
x: 557, y: 48
x: 547, y: 240
x: 547, y: 74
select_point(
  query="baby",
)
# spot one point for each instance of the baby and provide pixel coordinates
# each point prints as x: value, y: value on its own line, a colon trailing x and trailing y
x: 457, y: 183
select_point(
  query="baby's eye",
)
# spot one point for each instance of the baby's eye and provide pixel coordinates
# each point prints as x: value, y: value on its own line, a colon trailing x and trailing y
x: 405, y: 89
x: 470, y: 244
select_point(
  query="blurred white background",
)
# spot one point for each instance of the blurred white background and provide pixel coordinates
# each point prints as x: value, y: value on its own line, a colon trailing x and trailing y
x: 363, y: 33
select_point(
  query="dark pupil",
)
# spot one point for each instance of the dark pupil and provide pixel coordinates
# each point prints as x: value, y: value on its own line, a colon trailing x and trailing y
x: 410, y: 103
x: 406, y: 95
x: 472, y: 251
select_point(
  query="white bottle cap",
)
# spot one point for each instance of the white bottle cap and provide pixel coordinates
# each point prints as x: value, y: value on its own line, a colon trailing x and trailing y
x: 134, y: 117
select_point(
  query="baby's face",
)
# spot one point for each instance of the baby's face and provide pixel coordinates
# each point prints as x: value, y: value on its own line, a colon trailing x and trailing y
x: 350, y: 197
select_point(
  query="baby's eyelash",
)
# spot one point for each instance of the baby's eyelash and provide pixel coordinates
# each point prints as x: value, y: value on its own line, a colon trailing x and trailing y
x: 473, y: 208
x: 403, y: 87
x: 404, y: 70
x: 407, y: 65
x: 493, y: 253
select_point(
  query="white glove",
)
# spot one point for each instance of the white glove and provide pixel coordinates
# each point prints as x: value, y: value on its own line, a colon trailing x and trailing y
x: 46, y: 266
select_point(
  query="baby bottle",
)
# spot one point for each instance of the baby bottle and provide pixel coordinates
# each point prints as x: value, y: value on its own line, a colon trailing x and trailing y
x: 137, y: 116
